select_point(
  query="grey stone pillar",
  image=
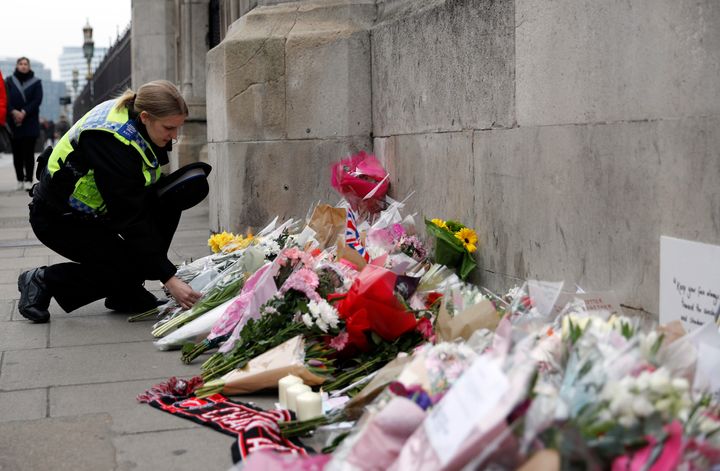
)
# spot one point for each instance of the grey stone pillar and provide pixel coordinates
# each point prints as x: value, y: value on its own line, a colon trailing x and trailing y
x: 289, y: 92
x: 191, y: 146
x: 154, y: 51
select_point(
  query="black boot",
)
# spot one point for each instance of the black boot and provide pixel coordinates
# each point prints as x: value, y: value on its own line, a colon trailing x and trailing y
x: 34, y: 295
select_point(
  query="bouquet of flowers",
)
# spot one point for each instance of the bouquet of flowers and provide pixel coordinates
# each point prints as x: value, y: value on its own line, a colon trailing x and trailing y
x: 362, y: 181
x: 454, y: 245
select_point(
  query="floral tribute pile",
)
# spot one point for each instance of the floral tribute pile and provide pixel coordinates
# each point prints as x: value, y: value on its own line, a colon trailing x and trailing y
x: 419, y: 369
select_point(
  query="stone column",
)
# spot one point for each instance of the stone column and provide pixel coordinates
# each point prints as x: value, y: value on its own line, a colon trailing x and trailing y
x: 192, y: 142
x: 154, y: 51
x: 289, y: 93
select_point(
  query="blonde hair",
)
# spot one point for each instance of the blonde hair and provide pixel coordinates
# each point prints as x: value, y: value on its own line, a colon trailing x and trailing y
x: 158, y: 98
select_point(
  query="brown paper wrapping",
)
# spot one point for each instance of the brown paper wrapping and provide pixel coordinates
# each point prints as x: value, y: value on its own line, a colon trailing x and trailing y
x: 265, y: 370
x: 543, y: 460
x: 478, y: 316
x: 327, y: 222
x: 350, y: 254
x: 672, y: 331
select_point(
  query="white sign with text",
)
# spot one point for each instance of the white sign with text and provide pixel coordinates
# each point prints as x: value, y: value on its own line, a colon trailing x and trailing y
x: 474, y: 394
x: 689, y: 282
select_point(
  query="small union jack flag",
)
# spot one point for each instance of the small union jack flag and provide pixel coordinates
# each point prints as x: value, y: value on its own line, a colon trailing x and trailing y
x: 352, y: 235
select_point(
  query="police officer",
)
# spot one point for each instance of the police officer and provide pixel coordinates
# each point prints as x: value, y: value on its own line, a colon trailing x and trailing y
x: 97, y: 204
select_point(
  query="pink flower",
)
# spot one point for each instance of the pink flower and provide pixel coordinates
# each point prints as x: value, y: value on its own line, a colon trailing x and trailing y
x: 304, y: 281
x: 424, y: 326
x: 398, y: 231
x: 294, y: 254
x: 340, y: 342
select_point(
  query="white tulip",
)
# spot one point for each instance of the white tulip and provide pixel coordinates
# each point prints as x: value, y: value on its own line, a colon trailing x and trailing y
x: 642, y: 407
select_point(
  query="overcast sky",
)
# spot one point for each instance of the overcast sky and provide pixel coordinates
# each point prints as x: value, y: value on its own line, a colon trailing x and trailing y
x: 39, y: 29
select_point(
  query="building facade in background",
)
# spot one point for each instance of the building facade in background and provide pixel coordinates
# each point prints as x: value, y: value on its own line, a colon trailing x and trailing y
x: 72, y: 58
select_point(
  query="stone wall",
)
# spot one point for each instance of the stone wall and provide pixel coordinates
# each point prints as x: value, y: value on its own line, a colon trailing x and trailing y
x: 289, y: 91
x: 571, y: 134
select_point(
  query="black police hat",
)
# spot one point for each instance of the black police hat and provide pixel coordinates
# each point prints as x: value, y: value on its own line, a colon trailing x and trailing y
x: 186, y: 186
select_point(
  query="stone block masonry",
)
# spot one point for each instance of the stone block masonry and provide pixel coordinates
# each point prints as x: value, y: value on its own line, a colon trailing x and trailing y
x: 570, y: 134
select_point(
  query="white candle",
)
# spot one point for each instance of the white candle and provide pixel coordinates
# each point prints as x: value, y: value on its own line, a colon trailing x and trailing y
x: 283, y: 385
x: 293, y: 392
x: 309, y: 406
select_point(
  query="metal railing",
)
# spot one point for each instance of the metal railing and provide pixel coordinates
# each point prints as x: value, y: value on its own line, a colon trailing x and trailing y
x: 110, y: 79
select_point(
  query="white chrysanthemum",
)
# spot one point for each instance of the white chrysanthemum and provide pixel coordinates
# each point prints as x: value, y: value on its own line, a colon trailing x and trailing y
x: 322, y: 325
x: 270, y: 247
x: 324, y: 311
x: 307, y: 319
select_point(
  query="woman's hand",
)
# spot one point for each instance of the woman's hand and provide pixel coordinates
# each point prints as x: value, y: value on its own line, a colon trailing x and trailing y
x: 18, y: 116
x: 185, y: 296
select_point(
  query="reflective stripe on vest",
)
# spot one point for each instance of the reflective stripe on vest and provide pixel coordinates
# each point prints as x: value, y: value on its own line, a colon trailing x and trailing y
x: 86, y: 197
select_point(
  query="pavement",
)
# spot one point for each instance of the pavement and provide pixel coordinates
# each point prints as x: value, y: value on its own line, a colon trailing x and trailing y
x: 68, y: 387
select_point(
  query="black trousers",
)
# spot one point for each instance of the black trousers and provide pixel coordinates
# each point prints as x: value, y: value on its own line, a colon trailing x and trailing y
x: 23, y: 150
x: 102, y: 262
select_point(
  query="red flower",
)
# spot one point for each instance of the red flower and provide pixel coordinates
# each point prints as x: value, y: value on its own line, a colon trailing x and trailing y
x: 424, y: 326
x: 432, y: 297
x: 371, y: 305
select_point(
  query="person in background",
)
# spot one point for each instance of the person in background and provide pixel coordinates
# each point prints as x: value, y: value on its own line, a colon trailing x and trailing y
x: 25, y: 93
x: 3, y: 102
x: 49, y: 133
x: 103, y: 202
x: 42, y: 137
x: 61, y: 127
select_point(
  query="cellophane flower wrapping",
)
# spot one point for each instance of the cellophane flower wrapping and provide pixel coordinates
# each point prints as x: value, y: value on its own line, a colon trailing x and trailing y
x: 371, y: 305
x: 362, y: 181
x: 265, y: 370
x: 194, y: 330
x: 449, y: 250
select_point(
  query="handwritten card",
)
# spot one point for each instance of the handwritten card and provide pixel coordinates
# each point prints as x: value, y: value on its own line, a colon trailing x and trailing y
x: 474, y: 394
x: 597, y: 302
x: 689, y: 282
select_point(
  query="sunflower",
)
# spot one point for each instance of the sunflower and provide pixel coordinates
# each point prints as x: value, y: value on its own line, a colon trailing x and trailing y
x: 469, y: 239
x: 439, y: 223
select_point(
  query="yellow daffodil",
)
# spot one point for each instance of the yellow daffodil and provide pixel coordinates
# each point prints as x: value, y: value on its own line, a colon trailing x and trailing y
x: 217, y: 241
x: 239, y: 242
x: 439, y: 223
x: 469, y: 239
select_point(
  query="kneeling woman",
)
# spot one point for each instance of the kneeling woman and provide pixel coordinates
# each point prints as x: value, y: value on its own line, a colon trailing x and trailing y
x: 97, y: 203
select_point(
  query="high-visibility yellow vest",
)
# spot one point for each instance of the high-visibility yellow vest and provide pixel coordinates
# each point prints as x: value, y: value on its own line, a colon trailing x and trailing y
x: 104, y: 117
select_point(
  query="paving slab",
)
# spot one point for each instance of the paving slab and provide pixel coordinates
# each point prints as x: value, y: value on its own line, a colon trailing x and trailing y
x: 9, y: 290
x: 89, y: 364
x: 14, y: 234
x: 30, y: 404
x: 9, y: 276
x: 67, y: 444
x: 38, y: 251
x: 118, y: 400
x: 24, y: 262
x: 6, y: 310
x: 176, y: 449
x: 22, y: 336
x: 10, y: 252
x: 95, y: 330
